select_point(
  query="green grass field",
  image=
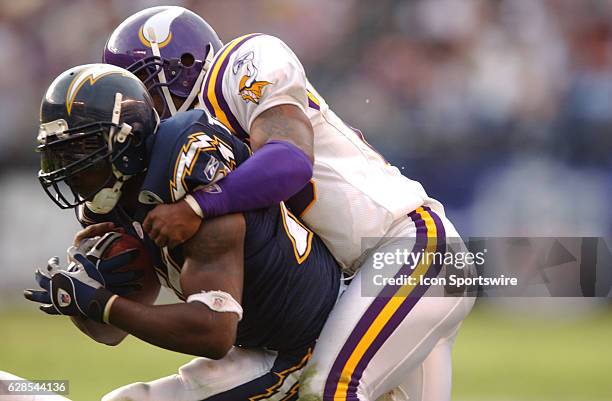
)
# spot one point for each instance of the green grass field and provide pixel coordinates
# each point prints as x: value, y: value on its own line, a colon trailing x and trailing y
x: 496, y: 358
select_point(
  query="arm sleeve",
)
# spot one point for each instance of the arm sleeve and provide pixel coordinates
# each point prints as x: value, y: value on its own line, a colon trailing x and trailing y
x: 273, y: 174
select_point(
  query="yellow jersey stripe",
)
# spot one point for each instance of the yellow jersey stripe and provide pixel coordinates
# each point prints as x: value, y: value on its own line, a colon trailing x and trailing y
x: 212, y: 86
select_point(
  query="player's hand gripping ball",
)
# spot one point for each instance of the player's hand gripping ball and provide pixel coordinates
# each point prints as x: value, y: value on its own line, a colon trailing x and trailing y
x: 137, y: 279
x: 115, y: 263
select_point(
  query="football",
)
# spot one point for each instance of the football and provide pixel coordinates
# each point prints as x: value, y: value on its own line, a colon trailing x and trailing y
x: 142, y: 262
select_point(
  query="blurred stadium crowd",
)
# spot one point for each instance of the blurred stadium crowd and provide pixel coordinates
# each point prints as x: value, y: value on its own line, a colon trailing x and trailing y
x: 501, y: 108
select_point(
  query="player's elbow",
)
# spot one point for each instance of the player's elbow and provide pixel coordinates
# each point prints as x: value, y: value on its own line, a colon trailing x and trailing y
x: 307, y: 148
x: 101, y: 333
x: 206, y: 344
x: 110, y: 338
x: 213, y: 348
x: 216, y: 337
x: 111, y: 342
x: 217, y: 352
x: 284, y: 122
x: 303, y: 138
x: 219, y: 343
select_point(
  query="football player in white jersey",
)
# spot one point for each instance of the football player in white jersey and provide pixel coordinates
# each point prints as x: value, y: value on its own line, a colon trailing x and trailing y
x: 398, y: 340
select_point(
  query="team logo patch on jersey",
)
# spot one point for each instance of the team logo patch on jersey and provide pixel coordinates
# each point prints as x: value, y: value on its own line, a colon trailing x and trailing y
x: 252, y: 92
x: 211, y: 168
x: 250, y: 89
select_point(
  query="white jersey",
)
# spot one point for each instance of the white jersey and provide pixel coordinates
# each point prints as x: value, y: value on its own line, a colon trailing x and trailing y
x: 354, y: 192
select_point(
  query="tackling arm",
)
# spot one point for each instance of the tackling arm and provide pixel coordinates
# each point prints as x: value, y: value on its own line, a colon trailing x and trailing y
x: 213, y: 262
x: 269, y: 93
x: 282, y: 138
x: 282, y: 165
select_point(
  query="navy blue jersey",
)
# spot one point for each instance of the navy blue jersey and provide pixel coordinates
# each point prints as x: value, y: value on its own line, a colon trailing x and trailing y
x: 291, y: 281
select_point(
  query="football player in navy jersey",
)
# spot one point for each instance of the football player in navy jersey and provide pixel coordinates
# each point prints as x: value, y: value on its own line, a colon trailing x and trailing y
x: 259, y: 280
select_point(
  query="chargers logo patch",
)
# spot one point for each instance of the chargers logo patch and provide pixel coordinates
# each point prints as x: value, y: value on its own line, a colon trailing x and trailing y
x: 249, y: 88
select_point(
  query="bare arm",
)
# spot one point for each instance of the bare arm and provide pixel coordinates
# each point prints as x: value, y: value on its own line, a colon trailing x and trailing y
x: 102, y: 333
x: 284, y: 122
x: 99, y: 332
x: 214, y: 260
x: 108, y: 334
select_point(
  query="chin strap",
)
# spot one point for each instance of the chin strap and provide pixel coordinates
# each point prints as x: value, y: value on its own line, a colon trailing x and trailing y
x: 198, y: 85
x: 105, y: 200
x: 196, y: 91
x: 161, y: 75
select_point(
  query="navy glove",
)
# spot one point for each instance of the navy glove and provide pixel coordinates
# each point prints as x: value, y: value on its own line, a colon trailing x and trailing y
x: 80, y: 291
x: 74, y: 293
x: 43, y: 278
x: 54, y: 299
x: 117, y: 282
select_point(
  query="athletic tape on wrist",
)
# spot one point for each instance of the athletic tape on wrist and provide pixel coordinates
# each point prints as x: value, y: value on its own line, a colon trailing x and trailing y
x: 193, y: 204
x: 219, y: 301
x: 107, y: 308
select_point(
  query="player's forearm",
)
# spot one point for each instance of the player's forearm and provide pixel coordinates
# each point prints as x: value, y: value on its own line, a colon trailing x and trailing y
x: 99, y: 332
x: 273, y: 174
x: 189, y: 328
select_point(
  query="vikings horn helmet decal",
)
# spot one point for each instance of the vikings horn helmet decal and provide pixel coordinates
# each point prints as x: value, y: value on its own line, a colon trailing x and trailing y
x: 157, y: 28
x: 93, y: 118
x: 169, y: 48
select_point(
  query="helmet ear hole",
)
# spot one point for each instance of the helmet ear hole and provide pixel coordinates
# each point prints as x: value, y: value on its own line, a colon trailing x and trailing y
x: 187, y: 59
x: 137, y: 133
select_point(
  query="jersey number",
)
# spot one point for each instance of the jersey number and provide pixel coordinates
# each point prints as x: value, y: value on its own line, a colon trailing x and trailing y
x: 299, y: 235
x: 303, y: 200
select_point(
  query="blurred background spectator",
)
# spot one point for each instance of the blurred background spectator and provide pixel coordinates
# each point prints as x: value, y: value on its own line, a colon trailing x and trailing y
x: 501, y: 108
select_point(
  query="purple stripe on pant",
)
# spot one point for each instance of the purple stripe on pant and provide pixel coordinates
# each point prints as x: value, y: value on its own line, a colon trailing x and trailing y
x: 377, y: 306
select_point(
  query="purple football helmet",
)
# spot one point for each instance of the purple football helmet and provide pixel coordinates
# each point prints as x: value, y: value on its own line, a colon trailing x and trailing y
x: 169, y: 48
